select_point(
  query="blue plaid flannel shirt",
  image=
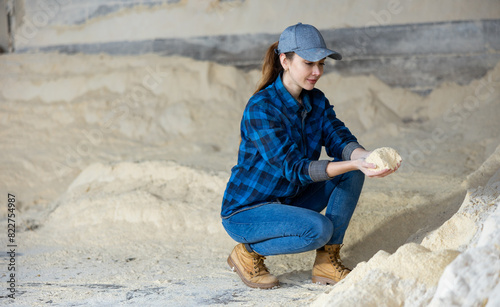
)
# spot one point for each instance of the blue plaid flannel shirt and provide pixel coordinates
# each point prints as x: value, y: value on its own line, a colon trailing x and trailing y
x: 281, y: 142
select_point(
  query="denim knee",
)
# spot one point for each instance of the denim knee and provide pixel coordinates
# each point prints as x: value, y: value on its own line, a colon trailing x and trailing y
x: 357, y: 176
x: 322, y: 233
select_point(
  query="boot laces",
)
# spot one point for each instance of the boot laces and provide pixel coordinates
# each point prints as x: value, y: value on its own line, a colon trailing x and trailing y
x: 259, y: 266
x: 336, y: 261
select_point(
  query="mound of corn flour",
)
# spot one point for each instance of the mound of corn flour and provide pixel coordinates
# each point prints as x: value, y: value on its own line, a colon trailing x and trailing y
x: 384, y: 158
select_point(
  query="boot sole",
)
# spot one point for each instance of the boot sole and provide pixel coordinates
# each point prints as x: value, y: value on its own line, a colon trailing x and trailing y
x: 323, y: 280
x: 234, y: 268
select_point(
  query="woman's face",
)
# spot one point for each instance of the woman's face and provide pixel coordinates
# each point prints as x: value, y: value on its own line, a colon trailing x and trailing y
x: 300, y: 73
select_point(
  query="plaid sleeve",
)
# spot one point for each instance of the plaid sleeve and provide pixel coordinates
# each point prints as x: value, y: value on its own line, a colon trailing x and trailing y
x: 266, y: 131
x: 336, y: 135
x: 317, y: 170
x: 348, y: 149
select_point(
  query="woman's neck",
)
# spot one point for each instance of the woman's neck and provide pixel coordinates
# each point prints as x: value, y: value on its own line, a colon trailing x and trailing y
x: 294, y: 89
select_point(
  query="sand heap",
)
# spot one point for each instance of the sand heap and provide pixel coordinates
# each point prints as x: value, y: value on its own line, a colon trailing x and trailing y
x: 458, y: 264
x: 120, y: 166
x: 64, y: 116
x: 149, y: 193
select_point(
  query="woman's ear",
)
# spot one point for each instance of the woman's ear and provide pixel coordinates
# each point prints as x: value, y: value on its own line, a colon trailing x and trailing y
x: 284, y: 61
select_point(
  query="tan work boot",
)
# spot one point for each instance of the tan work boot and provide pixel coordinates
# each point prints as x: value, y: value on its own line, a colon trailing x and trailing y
x: 328, y: 268
x: 251, y: 268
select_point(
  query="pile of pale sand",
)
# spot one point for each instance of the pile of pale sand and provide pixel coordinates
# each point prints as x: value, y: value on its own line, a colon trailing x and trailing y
x: 384, y: 158
x: 119, y: 167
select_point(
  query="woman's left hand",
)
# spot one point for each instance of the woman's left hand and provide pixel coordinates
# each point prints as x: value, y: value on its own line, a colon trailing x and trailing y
x: 382, y: 173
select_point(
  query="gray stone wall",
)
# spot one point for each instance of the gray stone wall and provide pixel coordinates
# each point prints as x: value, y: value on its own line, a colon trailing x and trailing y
x: 5, y: 44
x: 73, y: 12
x: 416, y: 56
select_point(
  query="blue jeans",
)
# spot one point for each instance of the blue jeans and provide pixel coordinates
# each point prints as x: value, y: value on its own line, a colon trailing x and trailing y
x: 275, y: 228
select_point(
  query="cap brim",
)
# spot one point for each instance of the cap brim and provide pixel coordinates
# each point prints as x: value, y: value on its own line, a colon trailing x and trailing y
x: 317, y: 54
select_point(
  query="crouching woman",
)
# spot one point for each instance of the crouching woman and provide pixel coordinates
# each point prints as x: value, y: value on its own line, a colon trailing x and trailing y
x: 278, y: 188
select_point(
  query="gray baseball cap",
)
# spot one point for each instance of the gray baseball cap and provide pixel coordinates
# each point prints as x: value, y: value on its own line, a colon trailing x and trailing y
x: 306, y: 41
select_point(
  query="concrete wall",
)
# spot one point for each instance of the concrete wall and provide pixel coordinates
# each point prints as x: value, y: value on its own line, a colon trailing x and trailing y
x: 66, y: 22
x: 411, y: 44
x: 4, y: 27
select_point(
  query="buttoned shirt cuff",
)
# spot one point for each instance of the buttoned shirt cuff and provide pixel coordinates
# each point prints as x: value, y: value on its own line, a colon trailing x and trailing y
x: 317, y: 170
x: 348, y: 149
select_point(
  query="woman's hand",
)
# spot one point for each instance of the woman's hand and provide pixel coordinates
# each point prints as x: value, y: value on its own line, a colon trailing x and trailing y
x: 360, y: 154
x: 369, y: 169
x: 358, y: 162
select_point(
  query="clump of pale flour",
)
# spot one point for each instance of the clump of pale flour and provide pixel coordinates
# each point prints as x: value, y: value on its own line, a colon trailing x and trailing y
x: 384, y: 158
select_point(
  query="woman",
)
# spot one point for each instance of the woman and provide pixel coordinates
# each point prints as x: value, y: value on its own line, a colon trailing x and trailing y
x: 278, y: 188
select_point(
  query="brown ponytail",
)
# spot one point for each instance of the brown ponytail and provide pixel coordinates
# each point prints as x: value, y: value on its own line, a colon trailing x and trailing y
x: 271, y: 67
